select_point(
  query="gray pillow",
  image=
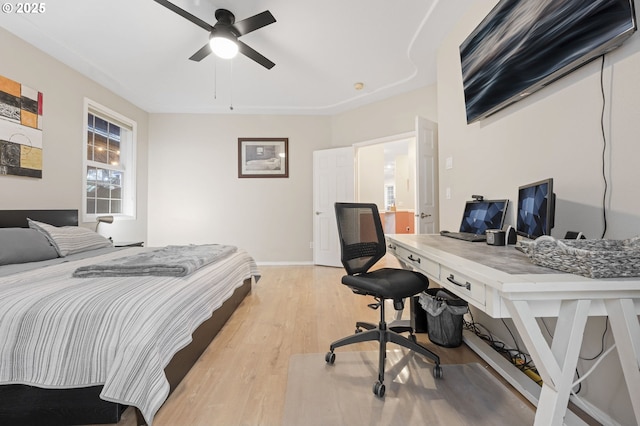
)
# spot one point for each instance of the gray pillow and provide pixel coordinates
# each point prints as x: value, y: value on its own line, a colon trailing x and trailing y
x: 22, y: 245
x: 70, y: 239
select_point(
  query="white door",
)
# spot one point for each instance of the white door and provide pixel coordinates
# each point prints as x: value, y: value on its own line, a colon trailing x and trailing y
x: 426, y: 213
x: 333, y: 180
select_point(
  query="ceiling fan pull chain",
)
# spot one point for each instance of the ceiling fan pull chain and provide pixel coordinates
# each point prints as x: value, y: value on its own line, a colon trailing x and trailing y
x: 215, y: 79
x: 231, y: 85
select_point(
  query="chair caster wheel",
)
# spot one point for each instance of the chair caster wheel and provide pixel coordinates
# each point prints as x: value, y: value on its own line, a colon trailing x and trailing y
x: 330, y: 358
x: 378, y: 389
x: 437, y: 372
x: 358, y: 330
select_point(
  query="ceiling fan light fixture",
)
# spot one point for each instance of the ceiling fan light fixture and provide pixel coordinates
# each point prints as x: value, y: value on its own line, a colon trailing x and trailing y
x: 223, y: 47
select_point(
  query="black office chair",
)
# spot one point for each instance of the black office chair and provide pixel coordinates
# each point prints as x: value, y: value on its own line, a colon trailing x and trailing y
x: 362, y: 244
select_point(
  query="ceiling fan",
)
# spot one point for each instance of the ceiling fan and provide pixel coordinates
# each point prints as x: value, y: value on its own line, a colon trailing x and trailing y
x: 223, y: 37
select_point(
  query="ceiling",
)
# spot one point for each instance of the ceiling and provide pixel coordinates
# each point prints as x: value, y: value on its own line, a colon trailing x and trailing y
x: 140, y: 49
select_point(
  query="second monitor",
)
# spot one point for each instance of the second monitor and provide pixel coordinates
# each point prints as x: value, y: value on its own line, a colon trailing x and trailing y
x: 536, y: 209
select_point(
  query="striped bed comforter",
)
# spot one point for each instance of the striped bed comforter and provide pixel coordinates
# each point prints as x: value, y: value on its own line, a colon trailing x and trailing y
x: 62, y: 332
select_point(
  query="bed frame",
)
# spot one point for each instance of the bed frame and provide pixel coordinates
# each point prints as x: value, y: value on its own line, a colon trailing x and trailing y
x: 28, y: 405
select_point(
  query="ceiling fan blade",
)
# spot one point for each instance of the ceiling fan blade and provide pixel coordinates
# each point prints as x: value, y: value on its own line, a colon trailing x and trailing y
x: 255, y: 22
x: 202, y: 53
x: 252, y: 54
x: 199, y: 22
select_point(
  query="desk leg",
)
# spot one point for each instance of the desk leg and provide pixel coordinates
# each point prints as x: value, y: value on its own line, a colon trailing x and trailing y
x: 556, y: 363
x: 626, y: 332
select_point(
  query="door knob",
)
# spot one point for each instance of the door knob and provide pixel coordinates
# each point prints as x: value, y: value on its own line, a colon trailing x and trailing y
x: 422, y: 215
x: 318, y: 213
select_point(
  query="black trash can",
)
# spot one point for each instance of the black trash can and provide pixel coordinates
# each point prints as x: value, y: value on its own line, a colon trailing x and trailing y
x: 444, y: 316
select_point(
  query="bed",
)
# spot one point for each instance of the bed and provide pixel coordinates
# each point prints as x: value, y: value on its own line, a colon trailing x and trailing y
x: 267, y: 164
x: 141, y: 335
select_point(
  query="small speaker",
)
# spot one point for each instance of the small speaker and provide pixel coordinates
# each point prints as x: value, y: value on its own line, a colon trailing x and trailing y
x: 571, y: 235
x: 495, y: 237
x: 511, y: 236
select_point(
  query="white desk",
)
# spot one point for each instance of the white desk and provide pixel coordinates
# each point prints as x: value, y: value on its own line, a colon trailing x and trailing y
x: 502, y: 282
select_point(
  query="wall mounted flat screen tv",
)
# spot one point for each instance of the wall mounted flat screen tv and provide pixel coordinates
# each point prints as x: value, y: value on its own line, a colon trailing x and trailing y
x: 523, y: 45
x: 536, y: 209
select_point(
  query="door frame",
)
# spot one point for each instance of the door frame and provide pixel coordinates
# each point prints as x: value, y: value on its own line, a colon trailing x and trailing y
x: 415, y: 134
x: 377, y: 141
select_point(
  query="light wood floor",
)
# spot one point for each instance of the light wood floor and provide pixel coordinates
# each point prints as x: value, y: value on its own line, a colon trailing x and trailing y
x: 241, y: 378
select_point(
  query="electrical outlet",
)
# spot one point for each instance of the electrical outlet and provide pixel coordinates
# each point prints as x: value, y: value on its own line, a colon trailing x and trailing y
x: 310, y: 244
x: 448, y: 193
x: 448, y: 163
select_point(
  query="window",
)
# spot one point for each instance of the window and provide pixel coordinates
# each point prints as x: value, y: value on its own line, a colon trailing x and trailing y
x: 389, y: 197
x: 109, y: 163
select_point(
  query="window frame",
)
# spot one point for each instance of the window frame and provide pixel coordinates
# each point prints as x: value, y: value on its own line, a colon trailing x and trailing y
x: 127, y: 160
x: 388, y: 200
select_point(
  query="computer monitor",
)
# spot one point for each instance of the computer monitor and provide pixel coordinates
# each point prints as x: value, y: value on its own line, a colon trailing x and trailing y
x: 536, y: 209
x: 479, y: 216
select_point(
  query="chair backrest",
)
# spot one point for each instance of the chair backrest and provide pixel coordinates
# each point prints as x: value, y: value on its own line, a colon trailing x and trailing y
x: 362, y: 241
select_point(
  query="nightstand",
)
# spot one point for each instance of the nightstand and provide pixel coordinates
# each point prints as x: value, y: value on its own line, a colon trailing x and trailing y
x: 128, y: 244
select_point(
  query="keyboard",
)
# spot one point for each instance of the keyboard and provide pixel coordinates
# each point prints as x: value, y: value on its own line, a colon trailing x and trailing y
x: 466, y: 236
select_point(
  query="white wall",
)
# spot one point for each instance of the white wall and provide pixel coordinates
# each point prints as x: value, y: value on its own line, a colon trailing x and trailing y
x: 389, y: 117
x: 63, y: 93
x: 553, y: 133
x: 195, y: 195
x: 406, y: 181
x: 370, y: 181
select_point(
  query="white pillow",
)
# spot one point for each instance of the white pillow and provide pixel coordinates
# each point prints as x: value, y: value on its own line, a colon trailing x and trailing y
x: 70, y: 239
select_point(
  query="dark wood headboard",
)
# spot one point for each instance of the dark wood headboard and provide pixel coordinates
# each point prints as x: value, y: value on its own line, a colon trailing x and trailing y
x: 18, y: 218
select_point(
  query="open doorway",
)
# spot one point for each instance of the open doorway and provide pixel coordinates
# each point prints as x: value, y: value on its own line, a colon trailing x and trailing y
x: 386, y: 176
x: 417, y: 174
x: 413, y: 158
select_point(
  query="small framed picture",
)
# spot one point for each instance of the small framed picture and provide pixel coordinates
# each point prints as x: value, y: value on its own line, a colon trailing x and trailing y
x: 263, y: 157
